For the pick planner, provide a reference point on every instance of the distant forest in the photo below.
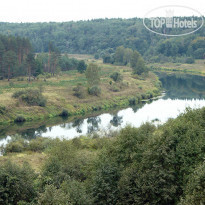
(101, 37)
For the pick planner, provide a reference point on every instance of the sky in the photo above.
(74, 10)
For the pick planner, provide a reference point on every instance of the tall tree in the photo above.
(93, 74)
(137, 63)
(2, 50)
(9, 62)
(30, 62)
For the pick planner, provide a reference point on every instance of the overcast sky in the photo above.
(68, 10)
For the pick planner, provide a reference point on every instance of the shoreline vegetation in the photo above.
(58, 91)
(197, 68)
(117, 165)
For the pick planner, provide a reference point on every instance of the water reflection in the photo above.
(182, 86)
(181, 91)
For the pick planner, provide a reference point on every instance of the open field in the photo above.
(197, 68)
(59, 92)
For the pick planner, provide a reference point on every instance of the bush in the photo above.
(95, 90)
(115, 88)
(79, 91)
(20, 119)
(16, 146)
(64, 113)
(116, 77)
(52, 195)
(31, 97)
(132, 101)
(189, 60)
(96, 56)
(2, 109)
(36, 145)
(16, 184)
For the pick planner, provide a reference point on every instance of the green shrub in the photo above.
(36, 145)
(132, 101)
(116, 77)
(95, 90)
(189, 60)
(64, 113)
(2, 109)
(17, 146)
(20, 119)
(31, 97)
(79, 91)
(16, 184)
(115, 88)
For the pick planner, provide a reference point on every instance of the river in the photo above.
(181, 91)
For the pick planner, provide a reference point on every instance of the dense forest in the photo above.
(146, 165)
(103, 36)
(17, 58)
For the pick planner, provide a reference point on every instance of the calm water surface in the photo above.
(181, 91)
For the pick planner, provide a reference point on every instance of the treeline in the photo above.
(17, 58)
(146, 165)
(128, 57)
(102, 36)
(15, 53)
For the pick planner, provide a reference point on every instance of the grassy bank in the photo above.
(58, 90)
(197, 68)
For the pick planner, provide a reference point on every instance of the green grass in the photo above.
(59, 93)
(197, 68)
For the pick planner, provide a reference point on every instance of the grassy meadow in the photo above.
(197, 68)
(58, 90)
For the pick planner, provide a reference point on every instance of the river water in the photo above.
(181, 91)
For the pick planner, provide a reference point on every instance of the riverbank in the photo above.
(197, 68)
(170, 155)
(58, 91)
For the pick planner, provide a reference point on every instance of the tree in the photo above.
(137, 63)
(30, 62)
(9, 62)
(81, 66)
(16, 184)
(119, 54)
(54, 61)
(127, 56)
(2, 50)
(93, 74)
(53, 196)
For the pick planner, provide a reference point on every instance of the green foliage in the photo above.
(93, 74)
(16, 184)
(77, 192)
(117, 77)
(64, 113)
(31, 97)
(53, 196)
(145, 165)
(137, 63)
(104, 188)
(81, 66)
(20, 119)
(189, 60)
(67, 64)
(2, 109)
(94, 90)
(195, 188)
(132, 101)
(65, 162)
(79, 91)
